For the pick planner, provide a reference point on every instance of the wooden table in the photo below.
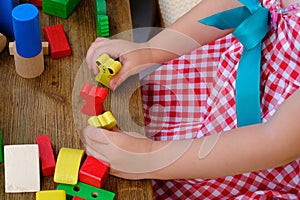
(43, 105)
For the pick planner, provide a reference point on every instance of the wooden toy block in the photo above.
(37, 3)
(28, 53)
(94, 172)
(105, 120)
(77, 198)
(45, 47)
(94, 98)
(59, 8)
(86, 191)
(67, 165)
(59, 45)
(21, 168)
(1, 147)
(46, 155)
(102, 25)
(6, 7)
(51, 195)
(108, 68)
(100, 7)
(3, 42)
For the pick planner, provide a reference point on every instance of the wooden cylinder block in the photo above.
(29, 67)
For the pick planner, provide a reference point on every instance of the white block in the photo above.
(22, 169)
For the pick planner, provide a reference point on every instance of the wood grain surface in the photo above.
(48, 104)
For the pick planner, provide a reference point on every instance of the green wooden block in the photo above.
(100, 7)
(59, 8)
(102, 25)
(1, 147)
(85, 191)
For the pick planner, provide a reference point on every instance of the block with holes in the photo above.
(105, 120)
(94, 172)
(86, 191)
(51, 195)
(21, 168)
(108, 67)
(94, 98)
(46, 155)
(67, 165)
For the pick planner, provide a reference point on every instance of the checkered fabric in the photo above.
(194, 96)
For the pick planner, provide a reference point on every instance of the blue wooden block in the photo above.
(26, 25)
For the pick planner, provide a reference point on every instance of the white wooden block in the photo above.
(22, 168)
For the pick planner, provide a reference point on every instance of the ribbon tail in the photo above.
(248, 87)
(227, 19)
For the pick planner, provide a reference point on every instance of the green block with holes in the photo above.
(85, 191)
(59, 8)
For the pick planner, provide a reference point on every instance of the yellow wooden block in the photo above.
(105, 120)
(108, 67)
(67, 165)
(51, 195)
(94, 122)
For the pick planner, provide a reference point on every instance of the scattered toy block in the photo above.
(37, 3)
(94, 98)
(105, 120)
(67, 165)
(108, 68)
(51, 195)
(85, 191)
(1, 147)
(94, 172)
(100, 7)
(46, 155)
(59, 8)
(6, 7)
(59, 45)
(28, 55)
(102, 26)
(77, 198)
(21, 168)
(45, 47)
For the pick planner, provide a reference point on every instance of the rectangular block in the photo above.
(58, 42)
(94, 172)
(21, 168)
(85, 191)
(67, 166)
(77, 198)
(46, 155)
(51, 195)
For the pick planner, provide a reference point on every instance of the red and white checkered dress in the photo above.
(194, 96)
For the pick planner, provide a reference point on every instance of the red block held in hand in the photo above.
(94, 98)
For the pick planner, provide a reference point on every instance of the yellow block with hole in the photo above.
(108, 67)
(67, 165)
(51, 195)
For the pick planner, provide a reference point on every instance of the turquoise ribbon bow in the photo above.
(251, 25)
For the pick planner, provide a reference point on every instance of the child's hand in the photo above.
(133, 57)
(117, 148)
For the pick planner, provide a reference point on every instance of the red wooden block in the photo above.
(46, 154)
(94, 98)
(58, 42)
(94, 172)
(37, 3)
(77, 198)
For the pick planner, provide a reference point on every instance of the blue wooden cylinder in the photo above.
(26, 25)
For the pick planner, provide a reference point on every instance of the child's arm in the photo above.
(246, 149)
(183, 36)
